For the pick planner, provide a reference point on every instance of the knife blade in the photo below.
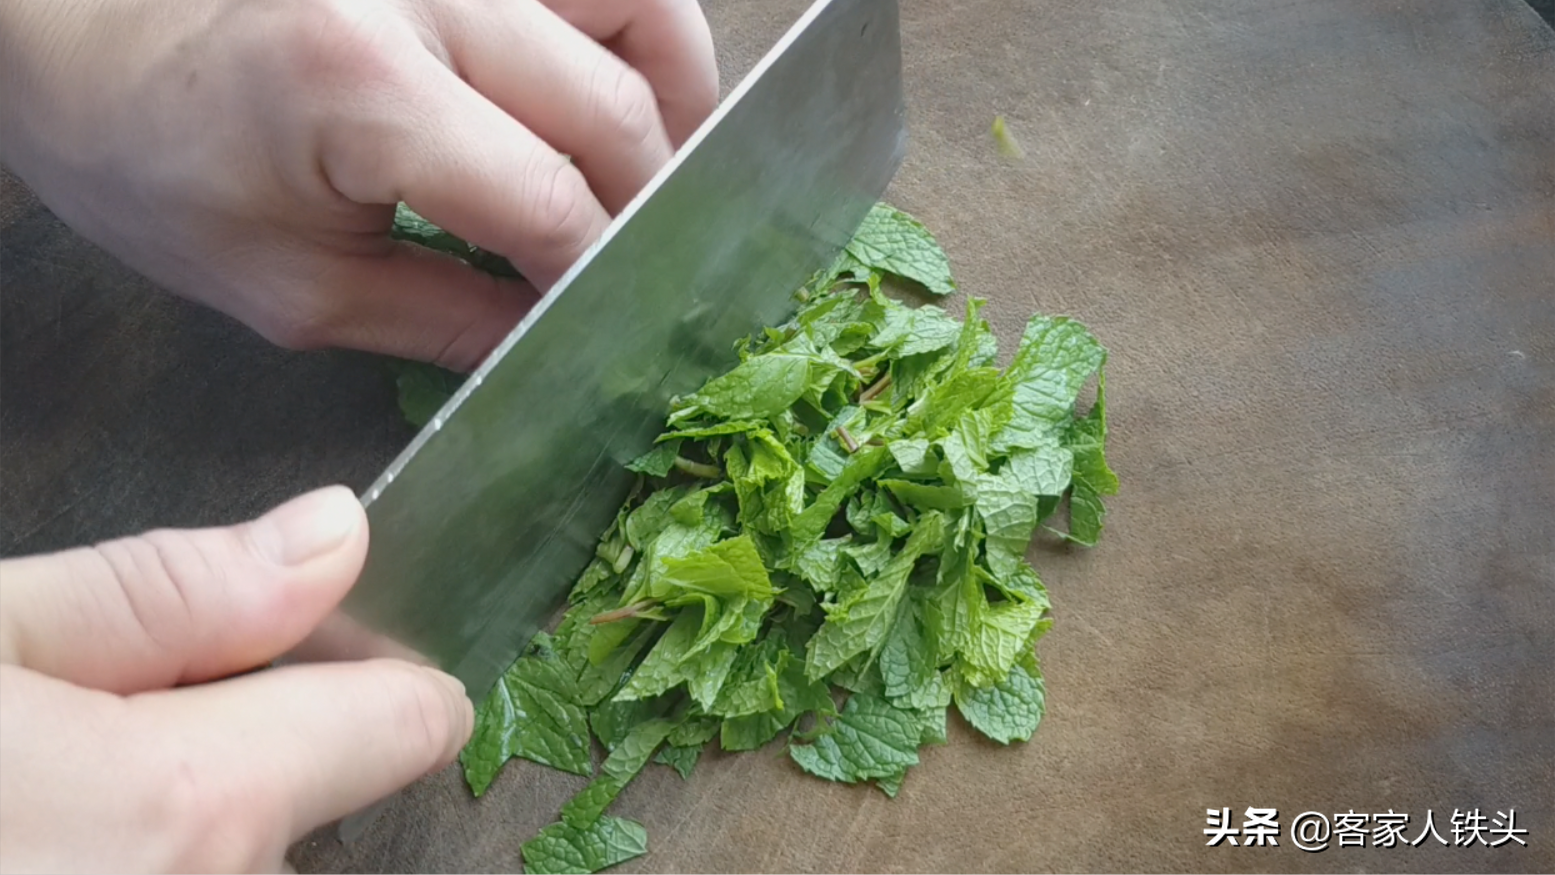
(481, 525)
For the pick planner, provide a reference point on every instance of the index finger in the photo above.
(298, 747)
(667, 41)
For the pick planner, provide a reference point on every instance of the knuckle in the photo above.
(628, 105)
(157, 573)
(342, 41)
(559, 214)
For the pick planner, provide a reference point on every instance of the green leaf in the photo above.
(683, 655)
(649, 519)
(695, 731)
(753, 731)
(866, 463)
(908, 331)
(817, 562)
(914, 457)
(932, 721)
(727, 569)
(926, 496)
(1007, 502)
(1092, 477)
(760, 387)
(606, 842)
(410, 226)
(612, 721)
(618, 770)
(739, 426)
(799, 695)
(658, 461)
(890, 785)
(532, 712)
(1055, 359)
(662, 669)
(859, 624)
(1009, 710)
(890, 240)
(681, 759)
(752, 685)
(907, 661)
(424, 389)
(870, 739)
(869, 556)
(943, 406)
(999, 634)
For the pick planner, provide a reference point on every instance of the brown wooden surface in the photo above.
(1319, 239)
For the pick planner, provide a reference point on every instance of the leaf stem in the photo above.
(874, 391)
(697, 469)
(847, 438)
(625, 613)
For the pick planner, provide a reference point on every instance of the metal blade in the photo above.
(481, 526)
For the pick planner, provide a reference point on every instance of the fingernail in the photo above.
(310, 526)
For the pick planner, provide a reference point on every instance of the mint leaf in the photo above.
(889, 240)
(1009, 710)
(908, 331)
(411, 227)
(817, 562)
(531, 712)
(658, 461)
(809, 525)
(618, 770)
(681, 759)
(799, 696)
(914, 457)
(859, 624)
(752, 686)
(1092, 477)
(870, 739)
(613, 721)
(424, 389)
(907, 661)
(1055, 359)
(890, 785)
(758, 388)
(606, 842)
(1008, 502)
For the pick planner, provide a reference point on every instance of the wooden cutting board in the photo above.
(1319, 239)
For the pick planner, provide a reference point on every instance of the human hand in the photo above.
(249, 153)
(130, 741)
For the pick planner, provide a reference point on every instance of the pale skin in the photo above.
(247, 154)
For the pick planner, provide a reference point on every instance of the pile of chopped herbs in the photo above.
(827, 541)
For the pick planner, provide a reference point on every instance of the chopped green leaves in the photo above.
(532, 712)
(846, 512)
(870, 739)
(1009, 710)
(893, 242)
(560, 848)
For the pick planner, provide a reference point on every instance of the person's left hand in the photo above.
(132, 743)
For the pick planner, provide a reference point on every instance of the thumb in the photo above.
(182, 606)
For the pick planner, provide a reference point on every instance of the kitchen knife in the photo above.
(479, 528)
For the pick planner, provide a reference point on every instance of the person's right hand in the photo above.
(249, 153)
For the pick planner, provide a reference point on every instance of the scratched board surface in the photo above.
(1319, 239)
